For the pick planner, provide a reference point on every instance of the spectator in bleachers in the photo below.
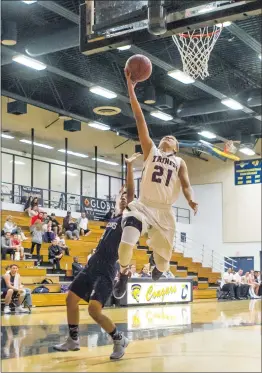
(56, 227)
(39, 216)
(27, 206)
(16, 244)
(12, 285)
(61, 242)
(31, 206)
(49, 235)
(253, 284)
(55, 254)
(72, 233)
(28, 296)
(21, 235)
(37, 238)
(244, 288)
(46, 220)
(134, 273)
(228, 285)
(76, 266)
(66, 221)
(83, 225)
(145, 272)
(92, 253)
(6, 246)
(9, 225)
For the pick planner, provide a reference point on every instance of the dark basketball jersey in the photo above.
(107, 249)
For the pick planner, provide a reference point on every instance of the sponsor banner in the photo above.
(96, 208)
(248, 172)
(159, 292)
(26, 192)
(158, 317)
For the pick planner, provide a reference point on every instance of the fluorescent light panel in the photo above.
(37, 144)
(247, 151)
(161, 115)
(259, 56)
(6, 136)
(73, 153)
(103, 92)
(29, 62)
(224, 24)
(30, 2)
(99, 126)
(232, 104)
(181, 76)
(124, 47)
(207, 134)
(105, 161)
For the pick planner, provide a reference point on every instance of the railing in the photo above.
(203, 254)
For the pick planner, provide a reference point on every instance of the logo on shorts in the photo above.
(135, 291)
(184, 291)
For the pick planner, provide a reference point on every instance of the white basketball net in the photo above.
(195, 48)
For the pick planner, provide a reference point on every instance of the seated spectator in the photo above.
(11, 286)
(145, 272)
(16, 244)
(6, 246)
(28, 204)
(9, 225)
(66, 221)
(83, 225)
(28, 296)
(76, 267)
(39, 216)
(134, 273)
(61, 242)
(55, 254)
(109, 215)
(168, 274)
(228, 285)
(37, 238)
(31, 206)
(49, 235)
(21, 235)
(244, 288)
(46, 220)
(254, 286)
(72, 232)
(92, 253)
(56, 226)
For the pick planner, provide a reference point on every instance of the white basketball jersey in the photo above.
(160, 182)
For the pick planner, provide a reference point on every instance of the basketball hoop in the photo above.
(195, 48)
(229, 147)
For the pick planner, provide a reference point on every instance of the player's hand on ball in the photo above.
(194, 206)
(133, 157)
(129, 81)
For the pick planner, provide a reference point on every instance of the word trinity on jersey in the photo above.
(164, 160)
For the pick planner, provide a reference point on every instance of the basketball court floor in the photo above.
(205, 336)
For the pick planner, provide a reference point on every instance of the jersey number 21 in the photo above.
(158, 175)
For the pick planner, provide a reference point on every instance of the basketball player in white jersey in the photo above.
(163, 175)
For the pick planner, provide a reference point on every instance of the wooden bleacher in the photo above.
(33, 275)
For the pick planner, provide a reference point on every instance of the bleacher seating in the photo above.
(33, 275)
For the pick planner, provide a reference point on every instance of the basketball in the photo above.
(140, 67)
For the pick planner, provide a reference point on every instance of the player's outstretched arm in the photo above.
(186, 187)
(130, 183)
(142, 128)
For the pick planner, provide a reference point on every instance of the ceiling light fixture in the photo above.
(30, 2)
(259, 56)
(105, 161)
(73, 153)
(103, 92)
(69, 173)
(18, 162)
(224, 24)
(181, 76)
(29, 62)
(99, 126)
(207, 8)
(5, 136)
(232, 104)
(207, 134)
(124, 47)
(161, 115)
(247, 151)
(37, 144)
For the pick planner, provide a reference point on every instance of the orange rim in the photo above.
(200, 35)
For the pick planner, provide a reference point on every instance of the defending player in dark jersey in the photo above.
(95, 282)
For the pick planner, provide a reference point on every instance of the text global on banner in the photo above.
(96, 208)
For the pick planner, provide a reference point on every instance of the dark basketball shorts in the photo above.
(92, 285)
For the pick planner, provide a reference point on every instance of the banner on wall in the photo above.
(159, 292)
(248, 172)
(26, 192)
(96, 208)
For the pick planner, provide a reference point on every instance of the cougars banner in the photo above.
(26, 192)
(95, 208)
(159, 292)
